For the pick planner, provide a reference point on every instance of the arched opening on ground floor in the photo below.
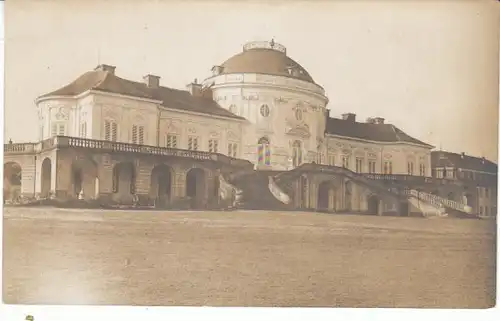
(216, 188)
(373, 204)
(304, 189)
(348, 196)
(124, 178)
(46, 178)
(469, 200)
(325, 196)
(84, 179)
(162, 185)
(195, 187)
(451, 196)
(404, 208)
(12, 181)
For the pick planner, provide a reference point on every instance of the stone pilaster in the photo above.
(179, 184)
(28, 178)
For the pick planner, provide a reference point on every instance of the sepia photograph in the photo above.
(337, 154)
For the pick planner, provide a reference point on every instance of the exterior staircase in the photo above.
(259, 192)
(440, 204)
(284, 179)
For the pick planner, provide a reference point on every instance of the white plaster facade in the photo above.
(284, 118)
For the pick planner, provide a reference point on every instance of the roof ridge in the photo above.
(398, 138)
(106, 74)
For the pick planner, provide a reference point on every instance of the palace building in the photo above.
(258, 125)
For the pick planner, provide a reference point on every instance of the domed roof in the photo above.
(266, 57)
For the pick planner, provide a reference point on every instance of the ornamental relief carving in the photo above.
(299, 130)
(387, 156)
(232, 136)
(172, 128)
(250, 97)
(372, 155)
(62, 113)
(110, 113)
(281, 100)
(214, 134)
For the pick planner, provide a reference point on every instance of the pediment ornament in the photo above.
(62, 114)
(299, 130)
(232, 136)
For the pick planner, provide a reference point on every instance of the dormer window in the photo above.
(217, 70)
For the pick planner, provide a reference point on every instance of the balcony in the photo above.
(61, 142)
(410, 179)
(19, 148)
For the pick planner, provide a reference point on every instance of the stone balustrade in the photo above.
(109, 146)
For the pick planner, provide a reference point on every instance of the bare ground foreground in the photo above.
(56, 256)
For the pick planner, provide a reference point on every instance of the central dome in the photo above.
(265, 57)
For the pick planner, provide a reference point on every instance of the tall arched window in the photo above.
(264, 151)
(297, 153)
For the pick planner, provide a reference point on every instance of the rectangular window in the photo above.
(83, 130)
(232, 149)
(486, 192)
(171, 141)
(387, 167)
(372, 167)
(141, 135)
(359, 165)
(486, 211)
(213, 145)
(319, 158)
(114, 131)
(58, 129)
(110, 130)
(61, 130)
(193, 143)
(480, 210)
(410, 168)
(345, 161)
(331, 160)
(138, 135)
(134, 134)
(107, 130)
(422, 169)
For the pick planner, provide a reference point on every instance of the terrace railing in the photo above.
(109, 146)
(439, 201)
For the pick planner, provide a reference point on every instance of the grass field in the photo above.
(55, 256)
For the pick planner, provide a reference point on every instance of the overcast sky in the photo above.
(430, 68)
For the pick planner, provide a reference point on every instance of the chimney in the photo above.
(152, 81)
(194, 88)
(379, 120)
(108, 68)
(370, 120)
(349, 117)
(483, 159)
(463, 155)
